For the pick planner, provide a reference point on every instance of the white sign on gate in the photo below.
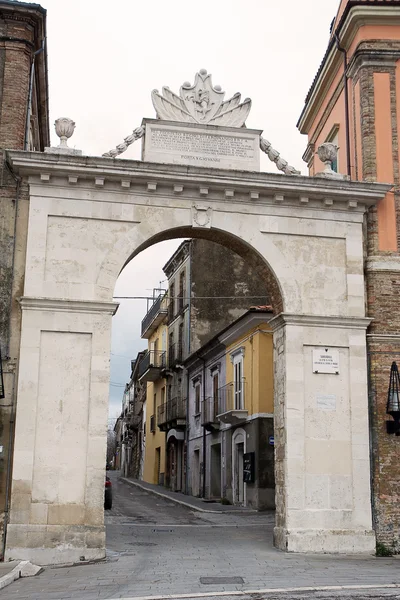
(326, 360)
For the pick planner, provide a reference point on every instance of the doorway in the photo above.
(158, 465)
(196, 474)
(215, 472)
(238, 450)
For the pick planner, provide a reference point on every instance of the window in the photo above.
(238, 379)
(180, 342)
(163, 395)
(197, 398)
(155, 354)
(171, 306)
(181, 298)
(154, 404)
(171, 349)
(215, 393)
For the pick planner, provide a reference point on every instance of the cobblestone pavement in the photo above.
(158, 548)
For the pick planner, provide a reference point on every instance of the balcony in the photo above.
(154, 317)
(175, 355)
(231, 403)
(172, 414)
(151, 365)
(134, 421)
(209, 411)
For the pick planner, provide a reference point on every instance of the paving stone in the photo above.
(201, 545)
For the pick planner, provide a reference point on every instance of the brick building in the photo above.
(24, 124)
(354, 102)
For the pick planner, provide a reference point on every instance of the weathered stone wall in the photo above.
(223, 287)
(384, 348)
(382, 286)
(21, 33)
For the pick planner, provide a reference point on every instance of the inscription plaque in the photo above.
(326, 401)
(201, 145)
(326, 361)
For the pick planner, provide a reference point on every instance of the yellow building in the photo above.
(231, 414)
(249, 366)
(151, 370)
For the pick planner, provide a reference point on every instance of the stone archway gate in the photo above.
(87, 217)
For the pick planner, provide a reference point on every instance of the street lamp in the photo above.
(393, 401)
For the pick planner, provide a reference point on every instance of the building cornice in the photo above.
(69, 306)
(129, 176)
(335, 322)
(383, 263)
(383, 337)
(357, 17)
(242, 326)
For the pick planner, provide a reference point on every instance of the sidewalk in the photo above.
(198, 504)
(15, 569)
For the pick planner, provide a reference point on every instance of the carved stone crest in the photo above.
(201, 216)
(201, 103)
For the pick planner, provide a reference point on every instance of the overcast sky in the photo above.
(106, 57)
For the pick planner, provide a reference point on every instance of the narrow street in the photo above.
(158, 548)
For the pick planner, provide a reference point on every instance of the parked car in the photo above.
(107, 494)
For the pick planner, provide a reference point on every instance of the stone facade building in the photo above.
(209, 286)
(24, 125)
(230, 443)
(354, 102)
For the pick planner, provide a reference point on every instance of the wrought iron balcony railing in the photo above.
(175, 354)
(210, 408)
(154, 316)
(151, 364)
(171, 411)
(232, 396)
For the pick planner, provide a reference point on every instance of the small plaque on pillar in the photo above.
(326, 361)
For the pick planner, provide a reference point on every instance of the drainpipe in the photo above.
(9, 465)
(187, 431)
(204, 429)
(17, 180)
(346, 103)
(29, 106)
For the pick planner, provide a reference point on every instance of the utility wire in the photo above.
(187, 297)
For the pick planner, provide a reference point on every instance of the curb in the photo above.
(274, 591)
(23, 569)
(182, 502)
(166, 497)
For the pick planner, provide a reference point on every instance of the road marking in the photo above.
(325, 588)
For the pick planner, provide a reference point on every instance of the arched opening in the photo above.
(185, 427)
(310, 264)
(234, 244)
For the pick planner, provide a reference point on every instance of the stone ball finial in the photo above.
(64, 129)
(203, 71)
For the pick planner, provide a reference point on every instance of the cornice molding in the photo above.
(358, 17)
(242, 327)
(70, 306)
(383, 263)
(335, 322)
(383, 337)
(272, 188)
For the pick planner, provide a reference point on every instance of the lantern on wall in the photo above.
(393, 401)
